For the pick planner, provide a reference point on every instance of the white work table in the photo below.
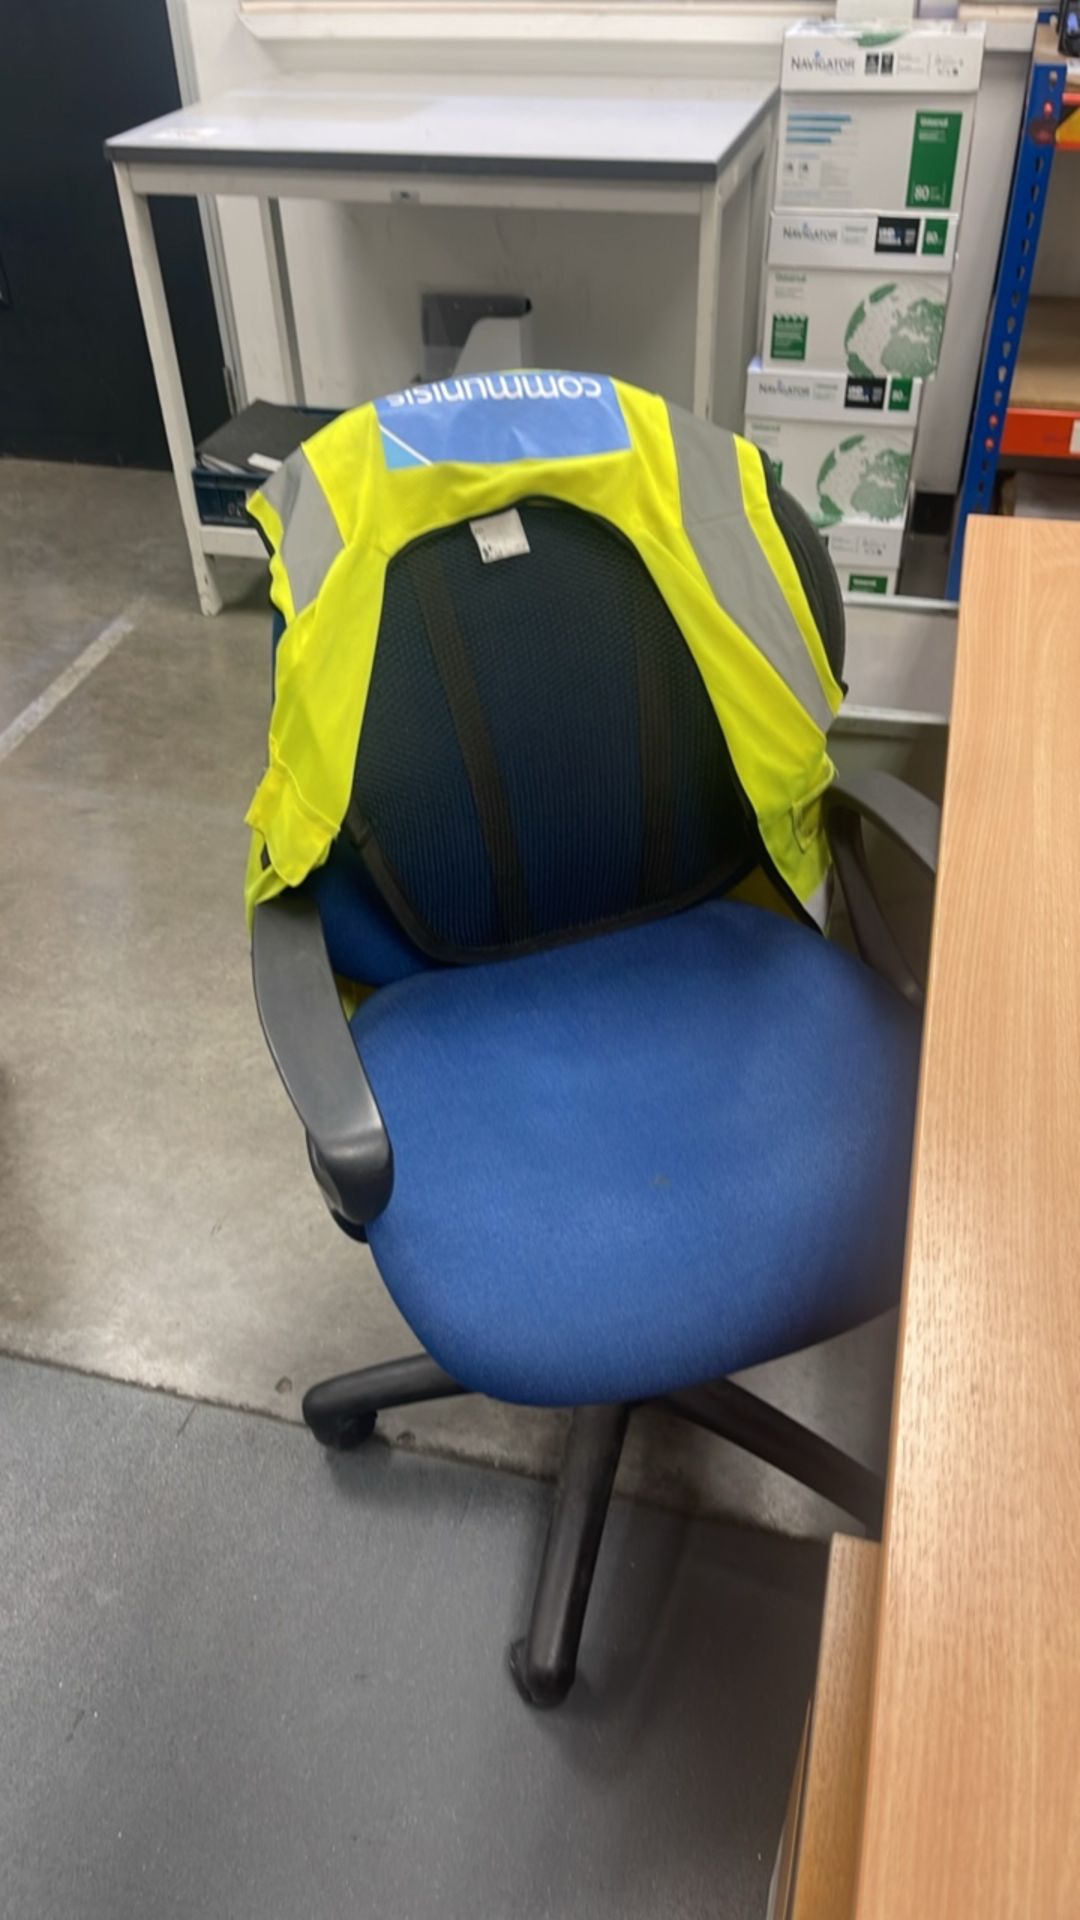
(644, 154)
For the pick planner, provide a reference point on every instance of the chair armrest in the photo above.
(909, 819)
(313, 1051)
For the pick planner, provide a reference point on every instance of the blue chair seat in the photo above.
(644, 1160)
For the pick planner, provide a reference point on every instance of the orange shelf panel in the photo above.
(1067, 135)
(1043, 420)
(1044, 433)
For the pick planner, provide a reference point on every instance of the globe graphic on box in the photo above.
(863, 479)
(890, 333)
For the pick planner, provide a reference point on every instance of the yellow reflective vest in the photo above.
(690, 497)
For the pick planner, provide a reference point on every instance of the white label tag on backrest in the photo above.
(500, 536)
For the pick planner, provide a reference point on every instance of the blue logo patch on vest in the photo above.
(488, 419)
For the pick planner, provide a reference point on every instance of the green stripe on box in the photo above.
(935, 145)
(789, 336)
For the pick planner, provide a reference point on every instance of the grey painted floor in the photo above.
(160, 1224)
(240, 1679)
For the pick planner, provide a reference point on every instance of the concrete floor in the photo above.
(160, 1222)
(242, 1680)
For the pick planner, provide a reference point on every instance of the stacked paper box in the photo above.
(866, 557)
(875, 130)
(877, 116)
(842, 444)
(865, 292)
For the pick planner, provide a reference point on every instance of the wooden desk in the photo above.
(972, 1801)
(816, 1864)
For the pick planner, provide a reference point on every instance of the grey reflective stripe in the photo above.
(311, 541)
(732, 561)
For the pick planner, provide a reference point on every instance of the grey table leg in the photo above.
(135, 209)
(281, 299)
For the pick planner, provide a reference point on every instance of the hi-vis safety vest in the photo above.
(690, 497)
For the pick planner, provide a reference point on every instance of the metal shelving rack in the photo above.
(1051, 121)
(1049, 114)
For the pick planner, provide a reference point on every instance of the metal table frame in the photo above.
(270, 179)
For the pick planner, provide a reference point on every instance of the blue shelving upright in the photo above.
(1023, 223)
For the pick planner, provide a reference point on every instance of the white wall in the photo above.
(615, 292)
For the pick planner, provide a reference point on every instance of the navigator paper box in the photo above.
(866, 556)
(877, 117)
(901, 241)
(841, 445)
(842, 315)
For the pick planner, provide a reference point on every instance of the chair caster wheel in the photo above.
(343, 1435)
(538, 1689)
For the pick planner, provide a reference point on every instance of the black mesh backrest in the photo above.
(539, 757)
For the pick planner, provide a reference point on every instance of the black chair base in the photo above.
(545, 1662)
(342, 1413)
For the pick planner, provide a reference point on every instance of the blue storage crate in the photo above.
(222, 497)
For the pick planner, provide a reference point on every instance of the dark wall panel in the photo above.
(75, 376)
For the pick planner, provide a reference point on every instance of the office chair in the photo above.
(664, 1137)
